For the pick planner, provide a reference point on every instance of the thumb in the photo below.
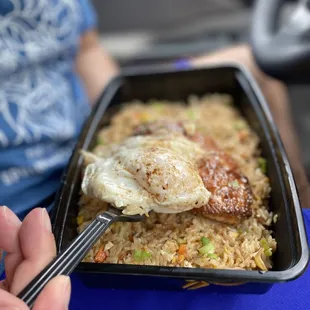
(9, 301)
(55, 296)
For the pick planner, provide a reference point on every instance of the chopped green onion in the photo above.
(264, 244)
(262, 163)
(137, 255)
(191, 114)
(268, 252)
(240, 230)
(204, 240)
(234, 234)
(141, 255)
(212, 255)
(182, 241)
(158, 106)
(234, 184)
(207, 249)
(239, 125)
(100, 140)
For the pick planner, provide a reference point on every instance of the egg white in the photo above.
(147, 173)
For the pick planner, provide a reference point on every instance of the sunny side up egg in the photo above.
(146, 173)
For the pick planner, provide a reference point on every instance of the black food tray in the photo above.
(291, 257)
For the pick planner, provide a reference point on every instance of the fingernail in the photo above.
(10, 219)
(66, 291)
(4, 212)
(46, 220)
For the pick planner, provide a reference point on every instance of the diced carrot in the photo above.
(182, 249)
(101, 256)
(243, 135)
(244, 155)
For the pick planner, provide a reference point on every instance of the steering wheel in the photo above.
(282, 51)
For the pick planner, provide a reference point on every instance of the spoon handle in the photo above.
(65, 262)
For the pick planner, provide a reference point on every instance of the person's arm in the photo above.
(276, 95)
(94, 65)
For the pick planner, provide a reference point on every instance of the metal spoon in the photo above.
(65, 262)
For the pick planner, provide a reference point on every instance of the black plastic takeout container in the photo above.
(291, 257)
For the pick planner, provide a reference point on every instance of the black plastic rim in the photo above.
(215, 275)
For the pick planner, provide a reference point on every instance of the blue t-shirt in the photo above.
(42, 101)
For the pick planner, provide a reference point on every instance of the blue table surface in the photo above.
(293, 295)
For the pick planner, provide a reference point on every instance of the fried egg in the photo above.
(146, 173)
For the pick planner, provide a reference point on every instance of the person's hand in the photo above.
(30, 246)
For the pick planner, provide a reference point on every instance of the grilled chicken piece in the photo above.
(231, 194)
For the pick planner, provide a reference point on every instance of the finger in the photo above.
(56, 295)
(9, 241)
(9, 228)
(3, 285)
(38, 247)
(10, 302)
(12, 261)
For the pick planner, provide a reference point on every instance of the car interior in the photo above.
(143, 32)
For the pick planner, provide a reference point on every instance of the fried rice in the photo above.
(176, 239)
